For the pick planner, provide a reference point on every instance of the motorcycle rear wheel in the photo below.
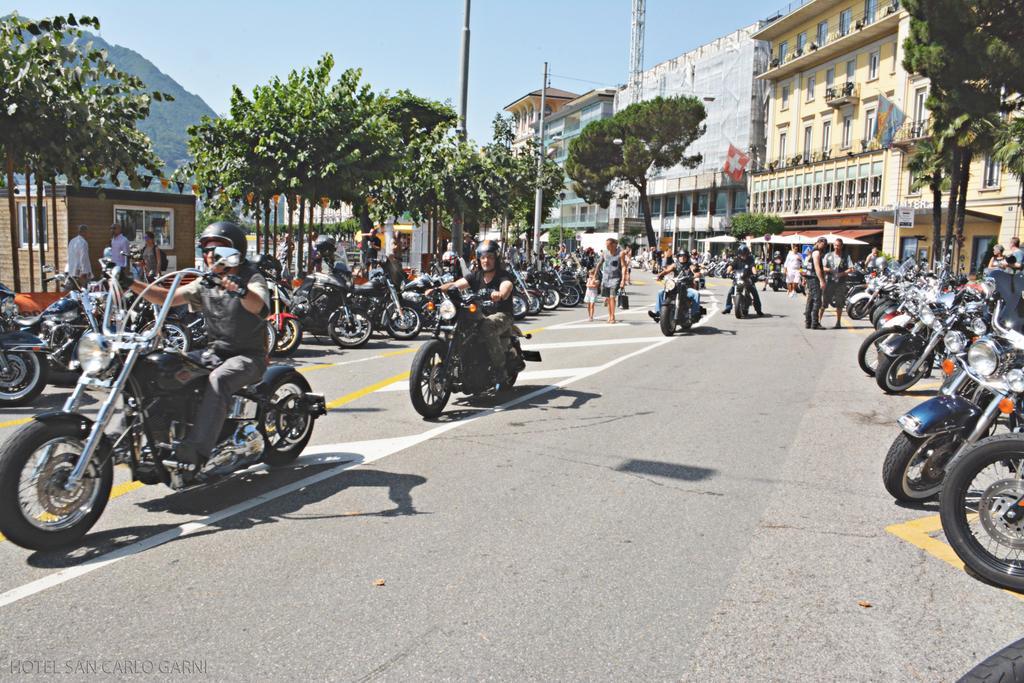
(286, 426)
(973, 507)
(427, 392)
(62, 517)
(571, 296)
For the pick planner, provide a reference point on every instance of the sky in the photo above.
(405, 44)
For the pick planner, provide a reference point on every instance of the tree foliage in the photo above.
(756, 225)
(631, 145)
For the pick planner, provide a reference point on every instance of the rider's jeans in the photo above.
(492, 328)
(224, 381)
(694, 301)
(753, 291)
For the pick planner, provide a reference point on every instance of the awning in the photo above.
(403, 227)
(853, 233)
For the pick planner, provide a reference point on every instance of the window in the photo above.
(817, 197)
(685, 204)
(702, 203)
(721, 202)
(808, 141)
(822, 33)
(138, 221)
(828, 196)
(826, 137)
(876, 190)
(870, 11)
(801, 43)
(851, 192)
(811, 83)
(870, 119)
(655, 206)
(862, 193)
(847, 131)
(783, 50)
(920, 109)
(873, 59)
(845, 18)
(839, 195)
(796, 200)
(851, 70)
(895, 56)
(670, 205)
(991, 178)
(830, 77)
(28, 218)
(739, 201)
(785, 97)
(782, 147)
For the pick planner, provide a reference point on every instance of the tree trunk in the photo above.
(31, 229)
(266, 227)
(256, 217)
(12, 207)
(961, 207)
(275, 225)
(300, 243)
(56, 232)
(936, 220)
(40, 226)
(652, 239)
(291, 234)
(954, 189)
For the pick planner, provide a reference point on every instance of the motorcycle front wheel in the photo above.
(978, 510)
(867, 355)
(893, 374)
(857, 310)
(24, 379)
(176, 336)
(349, 332)
(404, 327)
(570, 296)
(737, 306)
(667, 320)
(911, 472)
(533, 305)
(551, 300)
(428, 389)
(36, 512)
(288, 338)
(519, 307)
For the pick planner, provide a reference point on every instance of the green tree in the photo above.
(756, 225)
(641, 139)
(929, 167)
(1009, 150)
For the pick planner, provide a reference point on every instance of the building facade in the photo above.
(843, 119)
(560, 129)
(525, 112)
(692, 203)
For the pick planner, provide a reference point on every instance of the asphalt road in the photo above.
(706, 507)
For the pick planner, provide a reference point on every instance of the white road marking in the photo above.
(594, 342)
(527, 375)
(353, 454)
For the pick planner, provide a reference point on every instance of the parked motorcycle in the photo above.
(455, 360)
(287, 326)
(379, 301)
(56, 472)
(321, 303)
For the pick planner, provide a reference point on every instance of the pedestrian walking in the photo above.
(79, 265)
(590, 298)
(119, 246)
(814, 273)
(611, 267)
(794, 263)
(153, 260)
(837, 264)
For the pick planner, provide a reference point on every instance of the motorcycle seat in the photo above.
(27, 321)
(368, 287)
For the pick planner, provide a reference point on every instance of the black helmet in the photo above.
(742, 250)
(326, 244)
(225, 230)
(487, 247)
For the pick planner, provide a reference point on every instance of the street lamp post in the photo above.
(538, 201)
(461, 130)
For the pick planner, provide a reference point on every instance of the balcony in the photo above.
(912, 132)
(841, 95)
(820, 155)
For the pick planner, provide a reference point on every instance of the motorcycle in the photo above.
(8, 309)
(677, 310)
(524, 299)
(743, 298)
(378, 301)
(56, 472)
(287, 326)
(454, 360)
(321, 304)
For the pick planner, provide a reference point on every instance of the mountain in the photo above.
(168, 121)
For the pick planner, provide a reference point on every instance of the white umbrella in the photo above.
(831, 237)
(720, 239)
(792, 239)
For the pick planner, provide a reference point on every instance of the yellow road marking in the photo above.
(921, 532)
(359, 393)
(400, 352)
(324, 366)
(15, 423)
(321, 366)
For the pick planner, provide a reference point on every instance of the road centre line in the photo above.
(374, 450)
(528, 375)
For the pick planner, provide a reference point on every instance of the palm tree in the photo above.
(929, 167)
(1009, 150)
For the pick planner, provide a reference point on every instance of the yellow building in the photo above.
(525, 112)
(835, 161)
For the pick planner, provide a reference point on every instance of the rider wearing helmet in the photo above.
(492, 280)
(235, 326)
(743, 259)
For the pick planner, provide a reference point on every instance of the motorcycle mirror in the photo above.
(229, 257)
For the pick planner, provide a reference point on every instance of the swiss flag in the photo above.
(735, 163)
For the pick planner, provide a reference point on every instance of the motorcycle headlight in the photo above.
(927, 315)
(955, 341)
(1015, 379)
(94, 353)
(983, 357)
(979, 327)
(8, 308)
(670, 283)
(447, 310)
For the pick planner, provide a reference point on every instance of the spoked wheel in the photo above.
(428, 388)
(175, 336)
(288, 338)
(271, 332)
(857, 310)
(25, 377)
(571, 296)
(980, 513)
(349, 331)
(893, 375)
(286, 425)
(867, 355)
(533, 305)
(913, 469)
(519, 307)
(405, 326)
(36, 510)
(551, 299)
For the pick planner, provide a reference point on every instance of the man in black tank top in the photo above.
(814, 274)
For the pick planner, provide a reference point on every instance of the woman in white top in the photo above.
(794, 262)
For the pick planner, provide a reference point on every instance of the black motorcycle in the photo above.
(321, 302)
(677, 311)
(379, 301)
(24, 369)
(56, 472)
(455, 360)
(743, 296)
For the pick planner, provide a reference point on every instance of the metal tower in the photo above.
(636, 52)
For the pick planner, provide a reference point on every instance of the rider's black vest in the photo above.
(233, 330)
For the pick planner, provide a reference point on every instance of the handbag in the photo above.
(623, 300)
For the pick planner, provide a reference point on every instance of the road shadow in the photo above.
(922, 506)
(201, 502)
(705, 331)
(544, 401)
(668, 470)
